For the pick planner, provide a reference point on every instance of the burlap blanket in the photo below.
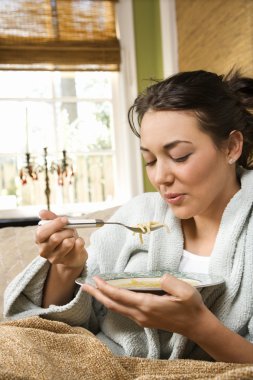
(35, 348)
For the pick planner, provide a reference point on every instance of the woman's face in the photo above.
(182, 162)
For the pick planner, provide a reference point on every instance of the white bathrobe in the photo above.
(115, 249)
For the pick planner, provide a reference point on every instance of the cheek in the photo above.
(195, 173)
(205, 172)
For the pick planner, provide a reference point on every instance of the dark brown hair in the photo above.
(221, 103)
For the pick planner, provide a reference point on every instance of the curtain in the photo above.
(58, 35)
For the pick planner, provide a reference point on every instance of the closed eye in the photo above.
(150, 163)
(181, 159)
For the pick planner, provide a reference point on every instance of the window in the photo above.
(68, 113)
(53, 109)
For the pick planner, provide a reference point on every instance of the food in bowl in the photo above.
(144, 283)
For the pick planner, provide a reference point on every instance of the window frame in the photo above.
(128, 167)
(128, 145)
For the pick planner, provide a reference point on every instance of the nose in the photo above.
(163, 173)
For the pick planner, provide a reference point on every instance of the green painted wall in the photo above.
(149, 65)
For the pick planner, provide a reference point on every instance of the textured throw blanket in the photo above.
(35, 348)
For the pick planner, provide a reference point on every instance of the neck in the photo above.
(201, 230)
(211, 218)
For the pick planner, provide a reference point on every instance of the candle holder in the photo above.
(28, 170)
(64, 170)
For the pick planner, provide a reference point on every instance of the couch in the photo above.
(18, 248)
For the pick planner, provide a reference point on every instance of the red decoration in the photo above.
(64, 170)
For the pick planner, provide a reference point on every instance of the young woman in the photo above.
(196, 137)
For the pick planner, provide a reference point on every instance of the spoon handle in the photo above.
(78, 223)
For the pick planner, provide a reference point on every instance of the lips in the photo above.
(174, 198)
(172, 195)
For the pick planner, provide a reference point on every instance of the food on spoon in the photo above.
(147, 228)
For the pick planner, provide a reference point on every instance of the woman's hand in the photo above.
(179, 310)
(64, 249)
(60, 245)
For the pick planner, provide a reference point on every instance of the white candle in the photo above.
(64, 136)
(26, 130)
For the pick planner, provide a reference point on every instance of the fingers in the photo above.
(79, 243)
(117, 300)
(56, 254)
(173, 311)
(177, 288)
(120, 296)
(61, 242)
(60, 245)
(142, 308)
(44, 232)
(70, 252)
(46, 214)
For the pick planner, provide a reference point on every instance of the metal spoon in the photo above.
(91, 223)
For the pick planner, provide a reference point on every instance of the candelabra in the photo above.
(28, 170)
(63, 168)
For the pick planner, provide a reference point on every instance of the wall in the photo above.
(148, 48)
(215, 35)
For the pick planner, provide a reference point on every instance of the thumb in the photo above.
(176, 287)
(45, 214)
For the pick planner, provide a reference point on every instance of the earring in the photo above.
(231, 161)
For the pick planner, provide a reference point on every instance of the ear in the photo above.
(234, 147)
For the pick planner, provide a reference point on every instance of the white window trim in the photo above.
(127, 149)
(169, 37)
(128, 145)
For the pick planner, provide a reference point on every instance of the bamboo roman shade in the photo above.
(58, 35)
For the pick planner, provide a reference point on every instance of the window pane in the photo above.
(24, 84)
(93, 85)
(40, 131)
(12, 124)
(84, 126)
(63, 128)
(31, 123)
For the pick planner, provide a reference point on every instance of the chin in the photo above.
(183, 217)
(183, 214)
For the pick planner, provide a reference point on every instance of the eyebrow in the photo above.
(169, 145)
